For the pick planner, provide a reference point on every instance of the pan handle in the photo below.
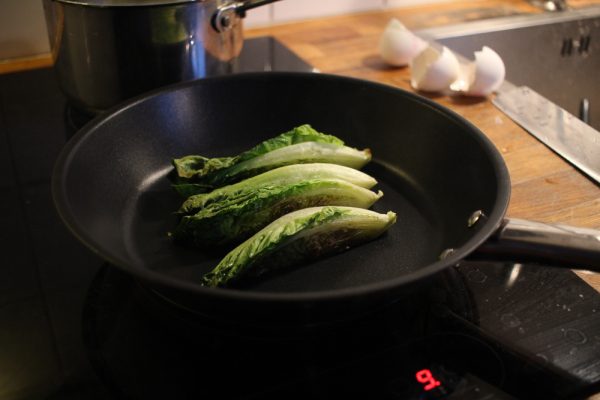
(557, 245)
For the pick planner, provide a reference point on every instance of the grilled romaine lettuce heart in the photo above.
(299, 236)
(198, 174)
(242, 213)
(288, 175)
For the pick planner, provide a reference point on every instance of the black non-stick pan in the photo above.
(440, 174)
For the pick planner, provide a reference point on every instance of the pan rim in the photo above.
(492, 223)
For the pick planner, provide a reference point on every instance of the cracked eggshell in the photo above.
(433, 70)
(485, 74)
(398, 46)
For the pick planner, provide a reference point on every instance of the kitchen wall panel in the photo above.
(260, 16)
(290, 10)
(22, 28)
(297, 10)
(407, 3)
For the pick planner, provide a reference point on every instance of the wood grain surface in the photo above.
(24, 64)
(544, 187)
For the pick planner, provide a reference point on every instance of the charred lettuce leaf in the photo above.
(197, 174)
(242, 213)
(299, 236)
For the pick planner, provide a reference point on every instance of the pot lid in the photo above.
(127, 3)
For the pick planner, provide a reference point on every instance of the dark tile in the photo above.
(33, 109)
(7, 174)
(63, 262)
(17, 268)
(65, 309)
(86, 390)
(28, 360)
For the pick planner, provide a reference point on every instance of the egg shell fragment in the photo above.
(398, 46)
(433, 70)
(487, 73)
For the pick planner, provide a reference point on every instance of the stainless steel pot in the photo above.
(106, 51)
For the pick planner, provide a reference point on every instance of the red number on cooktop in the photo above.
(425, 377)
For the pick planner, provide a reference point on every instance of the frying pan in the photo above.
(444, 179)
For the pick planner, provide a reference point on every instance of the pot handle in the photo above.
(556, 245)
(223, 18)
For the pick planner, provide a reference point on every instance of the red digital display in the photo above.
(425, 377)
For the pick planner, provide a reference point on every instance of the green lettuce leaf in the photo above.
(244, 212)
(300, 145)
(186, 190)
(194, 166)
(287, 175)
(300, 134)
(299, 236)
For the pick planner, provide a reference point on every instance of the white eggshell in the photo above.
(433, 70)
(398, 46)
(487, 73)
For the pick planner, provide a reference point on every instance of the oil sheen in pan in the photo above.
(387, 257)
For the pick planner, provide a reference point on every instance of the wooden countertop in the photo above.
(544, 187)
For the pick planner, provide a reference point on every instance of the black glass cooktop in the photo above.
(73, 327)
